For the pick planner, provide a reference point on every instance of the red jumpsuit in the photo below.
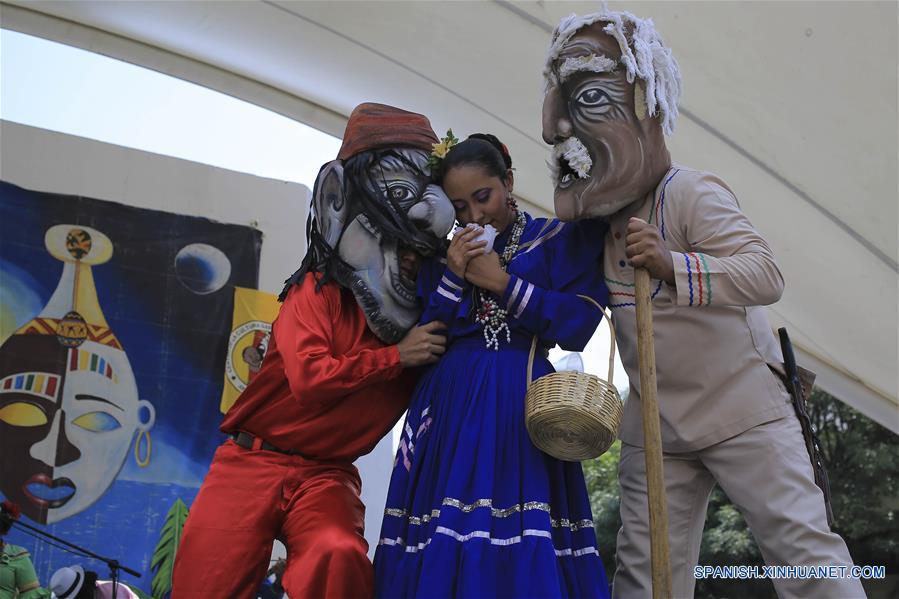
(328, 390)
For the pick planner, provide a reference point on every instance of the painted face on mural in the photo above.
(69, 407)
(380, 268)
(607, 152)
(68, 416)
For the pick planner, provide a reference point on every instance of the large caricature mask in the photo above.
(69, 406)
(375, 214)
(612, 91)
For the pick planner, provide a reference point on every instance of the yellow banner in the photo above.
(251, 328)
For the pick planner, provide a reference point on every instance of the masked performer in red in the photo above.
(332, 381)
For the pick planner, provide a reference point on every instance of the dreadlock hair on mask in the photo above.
(320, 256)
(367, 188)
(368, 198)
(480, 149)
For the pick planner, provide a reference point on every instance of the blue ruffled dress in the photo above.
(473, 508)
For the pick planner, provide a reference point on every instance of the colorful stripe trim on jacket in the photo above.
(626, 294)
(689, 276)
(708, 280)
(698, 268)
(659, 208)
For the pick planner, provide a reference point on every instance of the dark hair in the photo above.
(480, 149)
(9, 512)
(89, 586)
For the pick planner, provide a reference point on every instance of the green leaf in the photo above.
(162, 562)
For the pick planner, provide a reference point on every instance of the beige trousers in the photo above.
(766, 473)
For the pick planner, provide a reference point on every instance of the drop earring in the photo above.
(145, 461)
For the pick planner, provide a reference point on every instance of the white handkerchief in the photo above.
(486, 233)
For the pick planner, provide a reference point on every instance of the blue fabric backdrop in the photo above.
(167, 295)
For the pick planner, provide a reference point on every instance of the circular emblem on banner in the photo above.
(78, 243)
(246, 348)
(71, 330)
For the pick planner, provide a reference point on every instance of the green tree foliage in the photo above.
(163, 562)
(861, 458)
(602, 486)
(726, 541)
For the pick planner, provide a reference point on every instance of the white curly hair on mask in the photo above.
(644, 56)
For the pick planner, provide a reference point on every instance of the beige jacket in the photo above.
(713, 343)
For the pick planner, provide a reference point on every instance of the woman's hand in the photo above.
(462, 249)
(484, 271)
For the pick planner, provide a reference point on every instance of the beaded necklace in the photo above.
(489, 313)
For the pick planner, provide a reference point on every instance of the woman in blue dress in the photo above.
(473, 508)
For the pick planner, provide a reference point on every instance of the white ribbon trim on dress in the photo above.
(494, 512)
(483, 534)
(541, 239)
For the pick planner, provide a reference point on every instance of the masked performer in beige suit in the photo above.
(726, 418)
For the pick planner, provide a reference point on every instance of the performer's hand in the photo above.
(422, 345)
(485, 272)
(462, 248)
(645, 248)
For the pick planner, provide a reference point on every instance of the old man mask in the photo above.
(611, 94)
(375, 214)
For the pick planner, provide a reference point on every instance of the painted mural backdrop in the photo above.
(114, 328)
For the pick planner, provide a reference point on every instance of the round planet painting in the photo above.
(202, 268)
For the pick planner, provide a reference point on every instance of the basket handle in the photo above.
(607, 317)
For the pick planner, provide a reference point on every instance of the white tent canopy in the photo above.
(793, 103)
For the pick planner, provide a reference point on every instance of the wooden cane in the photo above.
(652, 441)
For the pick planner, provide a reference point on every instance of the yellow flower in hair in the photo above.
(440, 150)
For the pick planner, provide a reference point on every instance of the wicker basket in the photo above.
(573, 416)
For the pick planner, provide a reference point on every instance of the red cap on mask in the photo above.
(374, 126)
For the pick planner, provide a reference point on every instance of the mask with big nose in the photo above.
(375, 214)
